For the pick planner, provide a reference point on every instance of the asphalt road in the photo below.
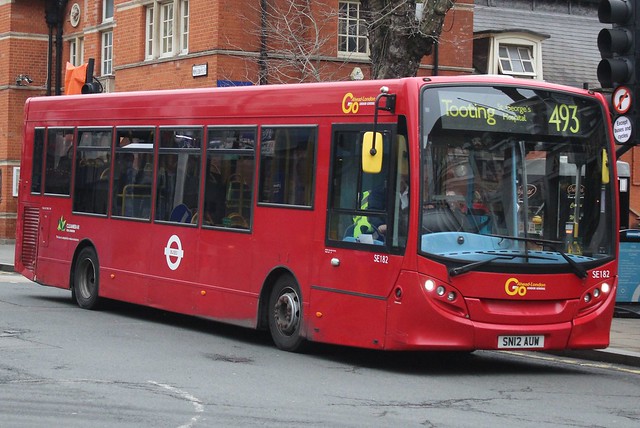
(127, 366)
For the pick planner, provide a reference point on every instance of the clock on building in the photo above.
(74, 15)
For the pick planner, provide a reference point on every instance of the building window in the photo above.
(184, 27)
(167, 28)
(150, 30)
(107, 10)
(166, 23)
(76, 51)
(352, 29)
(516, 60)
(514, 53)
(107, 53)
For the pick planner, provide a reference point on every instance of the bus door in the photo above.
(365, 238)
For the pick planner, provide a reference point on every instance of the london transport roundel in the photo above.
(621, 99)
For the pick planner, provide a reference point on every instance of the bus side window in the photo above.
(133, 173)
(59, 160)
(178, 182)
(38, 155)
(229, 177)
(91, 184)
(287, 162)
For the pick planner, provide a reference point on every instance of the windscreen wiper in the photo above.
(471, 266)
(578, 270)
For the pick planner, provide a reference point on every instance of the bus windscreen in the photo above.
(513, 176)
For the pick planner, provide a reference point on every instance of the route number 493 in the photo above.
(565, 117)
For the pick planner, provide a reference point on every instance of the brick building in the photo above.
(163, 44)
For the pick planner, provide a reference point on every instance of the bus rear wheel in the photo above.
(285, 314)
(86, 279)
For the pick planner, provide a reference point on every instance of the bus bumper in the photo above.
(415, 322)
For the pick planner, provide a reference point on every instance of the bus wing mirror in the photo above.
(605, 167)
(372, 152)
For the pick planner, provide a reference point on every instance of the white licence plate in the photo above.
(520, 342)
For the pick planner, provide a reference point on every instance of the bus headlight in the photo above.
(605, 287)
(429, 285)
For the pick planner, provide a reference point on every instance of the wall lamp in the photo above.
(23, 80)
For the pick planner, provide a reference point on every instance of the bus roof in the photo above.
(291, 100)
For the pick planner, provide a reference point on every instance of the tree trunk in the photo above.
(397, 39)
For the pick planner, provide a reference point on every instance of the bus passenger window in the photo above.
(58, 163)
(229, 177)
(287, 165)
(91, 185)
(178, 184)
(133, 173)
(38, 151)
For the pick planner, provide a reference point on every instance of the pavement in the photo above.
(625, 329)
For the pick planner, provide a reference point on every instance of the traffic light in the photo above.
(91, 84)
(618, 45)
(94, 87)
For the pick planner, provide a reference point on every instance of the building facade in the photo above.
(166, 44)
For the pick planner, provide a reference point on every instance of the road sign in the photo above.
(622, 128)
(621, 99)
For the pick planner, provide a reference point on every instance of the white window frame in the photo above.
(76, 51)
(518, 58)
(532, 43)
(350, 23)
(167, 33)
(107, 53)
(150, 31)
(166, 29)
(184, 27)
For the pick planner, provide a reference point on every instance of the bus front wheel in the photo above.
(285, 314)
(86, 279)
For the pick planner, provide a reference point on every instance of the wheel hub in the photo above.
(287, 312)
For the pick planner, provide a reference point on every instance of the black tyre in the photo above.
(285, 314)
(86, 280)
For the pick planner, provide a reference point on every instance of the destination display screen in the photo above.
(512, 110)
